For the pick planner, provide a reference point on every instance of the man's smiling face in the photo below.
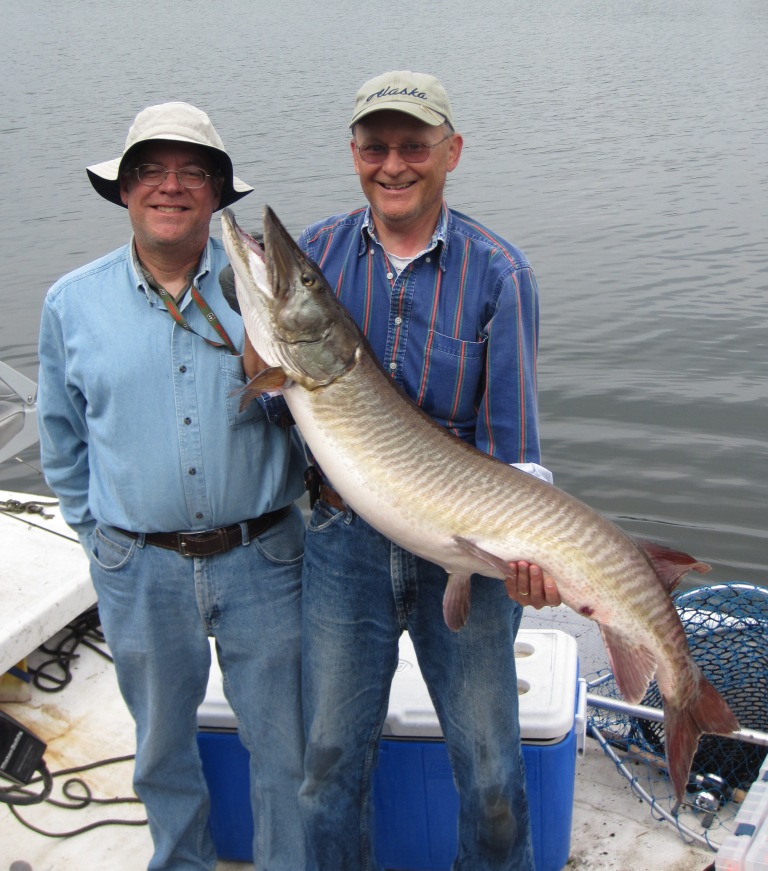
(404, 195)
(170, 214)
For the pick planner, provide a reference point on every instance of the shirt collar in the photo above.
(147, 284)
(368, 234)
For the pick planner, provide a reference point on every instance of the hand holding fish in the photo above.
(528, 585)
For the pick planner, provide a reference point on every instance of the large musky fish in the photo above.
(442, 499)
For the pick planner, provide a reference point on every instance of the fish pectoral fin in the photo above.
(485, 556)
(456, 601)
(670, 565)
(272, 378)
(633, 665)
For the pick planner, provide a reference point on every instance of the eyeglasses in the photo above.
(411, 152)
(152, 174)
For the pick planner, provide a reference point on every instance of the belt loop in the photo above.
(141, 540)
(245, 533)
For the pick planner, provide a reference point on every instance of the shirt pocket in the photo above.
(233, 381)
(455, 378)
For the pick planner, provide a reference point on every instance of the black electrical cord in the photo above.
(17, 795)
(77, 802)
(85, 629)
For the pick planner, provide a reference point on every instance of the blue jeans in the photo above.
(360, 592)
(157, 610)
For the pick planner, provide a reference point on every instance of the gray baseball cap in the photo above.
(416, 94)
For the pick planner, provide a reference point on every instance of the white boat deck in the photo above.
(42, 547)
(87, 722)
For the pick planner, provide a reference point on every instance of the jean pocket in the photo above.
(283, 543)
(111, 554)
(325, 516)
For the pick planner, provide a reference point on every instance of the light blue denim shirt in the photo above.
(139, 420)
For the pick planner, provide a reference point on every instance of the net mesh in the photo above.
(727, 630)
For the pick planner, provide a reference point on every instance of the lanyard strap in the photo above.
(207, 313)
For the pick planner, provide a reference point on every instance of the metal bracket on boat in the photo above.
(18, 412)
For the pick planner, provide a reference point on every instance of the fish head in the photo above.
(254, 293)
(290, 312)
(324, 340)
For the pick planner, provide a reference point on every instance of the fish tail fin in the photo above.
(705, 712)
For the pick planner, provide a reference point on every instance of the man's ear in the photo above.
(454, 151)
(123, 181)
(355, 156)
(218, 187)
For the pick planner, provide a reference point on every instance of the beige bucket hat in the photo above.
(176, 122)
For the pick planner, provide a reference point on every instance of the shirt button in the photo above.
(182, 368)
(428, 259)
(187, 420)
(398, 320)
(390, 275)
(199, 515)
(193, 471)
(393, 366)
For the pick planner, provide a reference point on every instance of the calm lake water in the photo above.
(621, 144)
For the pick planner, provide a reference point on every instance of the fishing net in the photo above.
(727, 630)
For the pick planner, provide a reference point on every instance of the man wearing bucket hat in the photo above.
(451, 311)
(183, 502)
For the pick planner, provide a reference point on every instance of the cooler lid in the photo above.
(547, 664)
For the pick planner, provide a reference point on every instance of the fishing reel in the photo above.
(709, 793)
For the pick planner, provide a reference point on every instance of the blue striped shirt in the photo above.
(457, 328)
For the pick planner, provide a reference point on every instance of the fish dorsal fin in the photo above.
(633, 666)
(670, 565)
(456, 601)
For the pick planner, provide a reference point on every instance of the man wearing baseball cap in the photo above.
(451, 312)
(183, 502)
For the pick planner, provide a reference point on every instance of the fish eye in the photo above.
(307, 279)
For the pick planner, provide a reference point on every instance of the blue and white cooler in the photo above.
(416, 804)
(415, 800)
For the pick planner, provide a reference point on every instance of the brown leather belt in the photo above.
(331, 497)
(214, 540)
(319, 489)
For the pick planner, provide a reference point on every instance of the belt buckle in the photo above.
(189, 539)
(185, 538)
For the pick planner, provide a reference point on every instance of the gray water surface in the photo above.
(622, 145)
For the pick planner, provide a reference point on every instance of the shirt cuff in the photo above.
(276, 407)
(536, 470)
